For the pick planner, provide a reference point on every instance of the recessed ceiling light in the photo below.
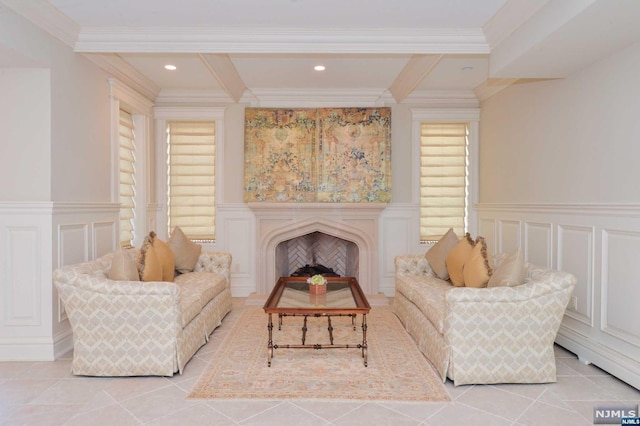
(170, 67)
(467, 68)
(319, 68)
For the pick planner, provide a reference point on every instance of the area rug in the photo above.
(396, 370)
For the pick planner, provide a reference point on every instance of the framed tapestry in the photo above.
(318, 155)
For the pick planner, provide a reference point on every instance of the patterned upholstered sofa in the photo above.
(136, 328)
(483, 335)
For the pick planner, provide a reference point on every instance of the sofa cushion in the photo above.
(186, 252)
(123, 267)
(428, 294)
(196, 290)
(456, 259)
(149, 267)
(166, 259)
(509, 272)
(437, 255)
(477, 269)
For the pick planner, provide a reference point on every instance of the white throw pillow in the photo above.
(510, 272)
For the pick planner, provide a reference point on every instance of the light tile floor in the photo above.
(45, 393)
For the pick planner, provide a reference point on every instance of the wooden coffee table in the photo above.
(291, 297)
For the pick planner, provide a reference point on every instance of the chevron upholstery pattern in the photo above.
(486, 335)
(135, 328)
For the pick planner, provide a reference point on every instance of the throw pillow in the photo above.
(122, 268)
(456, 259)
(477, 269)
(186, 252)
(437, 255)
(149, 267)
(165, 257)
(510, 272)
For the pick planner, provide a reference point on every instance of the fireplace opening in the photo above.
(317, 253)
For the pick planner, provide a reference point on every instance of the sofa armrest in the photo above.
(412, 264)
(216, 262)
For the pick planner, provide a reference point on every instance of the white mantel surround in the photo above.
(355, 222)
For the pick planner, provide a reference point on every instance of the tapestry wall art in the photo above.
(333, 155)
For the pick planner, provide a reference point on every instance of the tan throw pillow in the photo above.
(510, 272)
(456, 259)
(186, 252)
(149, 267)
(437, 255)
(165, 257)
(122, 268)
(477, 269)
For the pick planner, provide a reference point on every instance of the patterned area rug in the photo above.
(396, 371)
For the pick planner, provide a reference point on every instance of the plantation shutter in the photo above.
(191, 171)
(443, 179)
(127, 178)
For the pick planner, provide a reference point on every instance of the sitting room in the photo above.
(406, 151)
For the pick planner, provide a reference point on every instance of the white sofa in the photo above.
(483, 335)
(136, 328)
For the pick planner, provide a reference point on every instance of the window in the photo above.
(443, 179)
(191, 178)
(127, 178)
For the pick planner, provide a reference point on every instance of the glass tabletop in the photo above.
(297, 295)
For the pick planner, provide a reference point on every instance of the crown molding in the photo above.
(46, 16)
(225, 72)
(264, 40)
(120, 69)
(316, 98)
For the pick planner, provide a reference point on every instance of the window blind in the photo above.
(191, 175)
(127, 178)
(443, 179)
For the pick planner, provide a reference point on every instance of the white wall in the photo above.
(559, 178)
(25, 151)
(55, 191)
(565, 141)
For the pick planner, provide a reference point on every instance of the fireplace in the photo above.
(356, 224)
(317, 253)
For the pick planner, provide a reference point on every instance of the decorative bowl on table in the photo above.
(317, 284)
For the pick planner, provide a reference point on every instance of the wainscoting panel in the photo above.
(25, 285)
(600, 245)
(487, 228)
(575, 254)
(104, 238)
(621, 285)
(538, 243)
(21, 296)
(399, 234)
(235, 226)
(508, 235)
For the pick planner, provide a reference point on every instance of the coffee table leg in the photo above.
(330, 328)
(304, 329)
(364, 338)
(270, 343)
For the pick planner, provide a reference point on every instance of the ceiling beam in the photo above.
(225, 72)
(412, 74)
(282, 40)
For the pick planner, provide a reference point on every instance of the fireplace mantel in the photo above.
(355, 222)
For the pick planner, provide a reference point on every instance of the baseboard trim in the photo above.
(615, 363)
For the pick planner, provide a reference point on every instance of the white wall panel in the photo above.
(575, 254)
(509, 236)
(104, 238)
(621, 285)
(21, 285)
(538, 244)
(487, 229)
(235, 232)
(600, 245)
